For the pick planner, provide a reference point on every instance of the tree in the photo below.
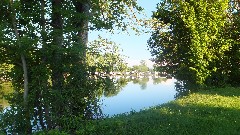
(190, 39)
(105, 56)
(45, 41)
(230, 65)
(141, 68)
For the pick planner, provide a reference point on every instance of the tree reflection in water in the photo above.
(158, 80)
(104, 86)
(141, 81)
(112, 86)
(183, 88)
(115, 85)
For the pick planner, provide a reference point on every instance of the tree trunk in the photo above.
(57, 24)
(25, 71)
(45, 85)
(23, 59)
(56, 63)
(82, 25)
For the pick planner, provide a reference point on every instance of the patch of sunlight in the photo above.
(165, 110)
(210, 100)
(6, 88)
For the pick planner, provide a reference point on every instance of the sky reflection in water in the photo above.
(136, 95)
(133, 97)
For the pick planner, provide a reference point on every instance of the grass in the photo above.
(208, 112)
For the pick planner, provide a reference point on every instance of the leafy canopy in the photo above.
(45, 41)
(190, 38)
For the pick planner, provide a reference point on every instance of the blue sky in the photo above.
(134, 46)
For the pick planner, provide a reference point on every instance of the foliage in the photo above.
(51, 132)
(45, 42)
(105, 56)
(119, 14)
(5, 89)
(213, 111)
(5, 69)
(140, 68)
(190, 42)
(230, 65)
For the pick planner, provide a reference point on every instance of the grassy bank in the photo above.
(208, 112)
(215, 111)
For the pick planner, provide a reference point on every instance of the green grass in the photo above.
(208, 112)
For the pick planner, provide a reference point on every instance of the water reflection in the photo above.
(184, 88)
(113, 85)
(152, 91)
(158, 80)
(141, 81)
(123, 94)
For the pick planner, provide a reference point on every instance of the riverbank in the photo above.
(215, 112)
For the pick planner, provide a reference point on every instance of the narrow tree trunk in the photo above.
(25, 71)
(23, 59)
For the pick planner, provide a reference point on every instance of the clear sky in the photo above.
(134, 46)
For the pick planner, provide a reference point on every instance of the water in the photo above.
(131, 94)
(137, 96)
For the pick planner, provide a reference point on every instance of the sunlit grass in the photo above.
(214, 111)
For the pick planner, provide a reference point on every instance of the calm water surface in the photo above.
(135, 97)
(138, 94)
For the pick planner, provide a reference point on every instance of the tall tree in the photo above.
(46, 42)
(105, 56)
(230, 65)
(190, 39)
